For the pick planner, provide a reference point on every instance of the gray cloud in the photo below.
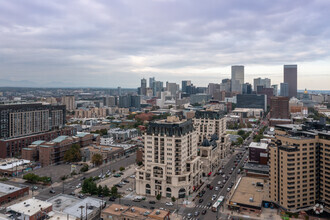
(110, 43)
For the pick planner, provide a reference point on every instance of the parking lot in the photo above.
(55, 171)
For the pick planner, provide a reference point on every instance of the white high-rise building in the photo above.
(69, 102)
(237, 78)
(171, 166)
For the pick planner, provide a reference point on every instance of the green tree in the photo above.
(84, 168)
(122, 168)
(106, 191)
(159, 196)
(97, 159)
(239, 141)
(31, 178)
(114, 191)
(73, 154)
(99, 190)
(173, 199)
(241, 132)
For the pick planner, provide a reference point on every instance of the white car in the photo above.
(216, 188)
(214, 197)
(228, 189)
(169, 204)
(133, 176)
(224, 175)
(78, 186)
(129, 189)
(219, 182)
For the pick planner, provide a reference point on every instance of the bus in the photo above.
(217, 203)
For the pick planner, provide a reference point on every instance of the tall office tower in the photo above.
(275, 89)
(284, 89)
(237, 78)
(129, 101)
(119, 91)
(69, 102)
(290, 77)
(172, 87)
(225, 85)
(246, 88)
(298, 162)
(261, 82)
(151, 82)
(143, 88)
(185, 83)
(279, 107)
(157, 88)
(19, 120)
(171, 166)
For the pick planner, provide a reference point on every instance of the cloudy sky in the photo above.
(111, 43)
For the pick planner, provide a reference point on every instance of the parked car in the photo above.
(169, 204)
(112, 199)
(216, 188)
(152, 202)
(117, 175)
(228, 189)
(200, 200)
(52, 191)
(129, 189)
(125, 181)
(35, 188)
(211, 187)
(219, 182)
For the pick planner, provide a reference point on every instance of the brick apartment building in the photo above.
(299, 166)
(52, 152)
(13, 146)
(9, 193)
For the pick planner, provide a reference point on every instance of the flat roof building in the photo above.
(31, 209)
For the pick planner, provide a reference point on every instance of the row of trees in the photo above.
(33, 178)
(260, 135)
(90, 187)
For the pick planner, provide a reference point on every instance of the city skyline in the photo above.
(96, 44)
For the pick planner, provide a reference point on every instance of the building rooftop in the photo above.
(246, 192)
(256, 167)
(8, 164)
(7, 189)
(59, 139)
(258, 145)
(38, 142)
(71, 205)
(81, 134)
(135, 212)
(29, 207)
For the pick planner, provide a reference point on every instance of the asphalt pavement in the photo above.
(70, 185)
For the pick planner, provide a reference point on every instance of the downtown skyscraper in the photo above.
(290, 77)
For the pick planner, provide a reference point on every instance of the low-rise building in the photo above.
(108, 153)
(9, 193)
(121, 212)
(52, 152)
(248, 195)
(258, 152)
(78, 208)
(14, 166)
(30, 209)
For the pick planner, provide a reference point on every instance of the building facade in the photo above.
(252, 101)
(237, 78)
(279, 107)
(69, 102)
(171, 165)
(299, 166)
(17, 120)
(290, 77)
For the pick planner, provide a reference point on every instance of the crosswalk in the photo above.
(202, 207)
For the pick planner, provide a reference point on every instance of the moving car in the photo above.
(197, 213)
(200, 200)
(214, 197)
(216, 188)
(204, 212)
